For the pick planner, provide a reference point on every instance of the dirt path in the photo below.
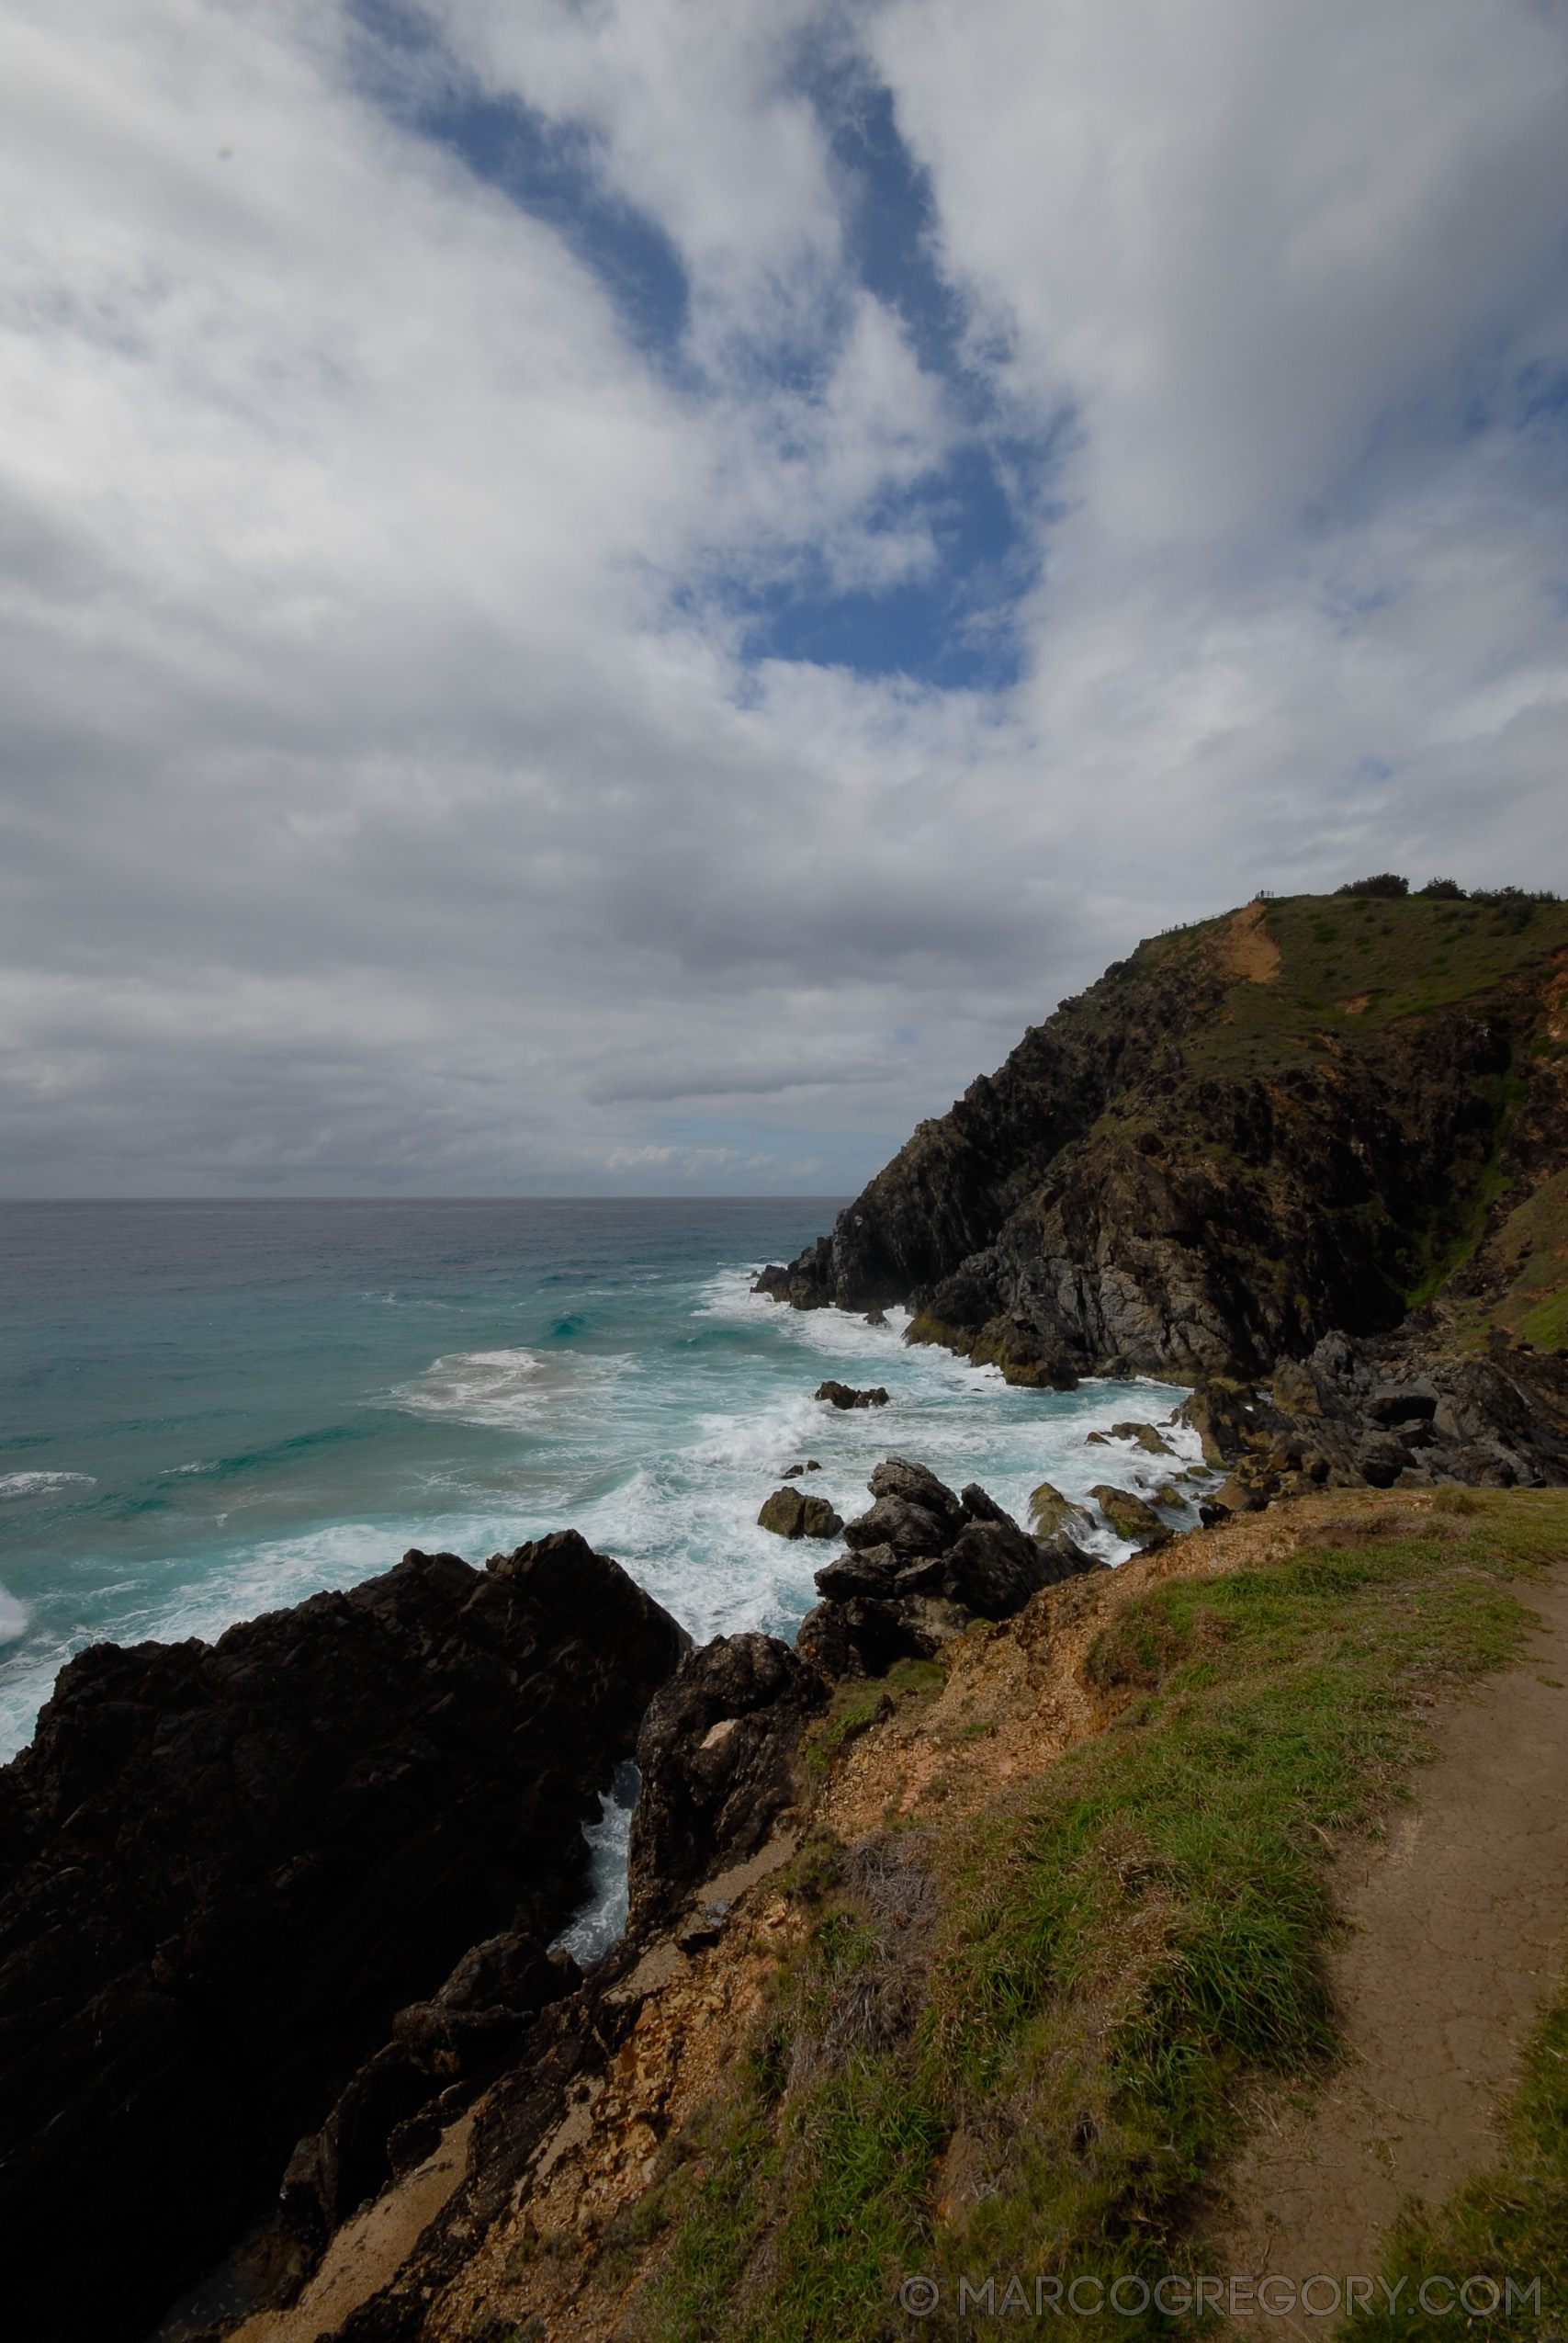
(1461, 1920)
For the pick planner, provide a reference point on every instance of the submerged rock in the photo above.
(225, 1868)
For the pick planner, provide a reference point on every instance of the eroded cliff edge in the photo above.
(1313, 1114)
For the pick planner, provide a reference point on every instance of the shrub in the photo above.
(1386, 882)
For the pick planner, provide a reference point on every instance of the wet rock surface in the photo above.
(844, 1395)
(224, 1869)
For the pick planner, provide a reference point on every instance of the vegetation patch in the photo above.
(1015, 2046)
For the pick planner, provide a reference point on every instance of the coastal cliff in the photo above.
(975, 1969)
(226, 1869)
(1310, 1116)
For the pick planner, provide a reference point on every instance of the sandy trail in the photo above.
(1460, 1918)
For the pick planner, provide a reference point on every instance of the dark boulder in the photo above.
(907, 1529)
(917, 1485)
(790, 1512)
(225, 1868)
(719, 1754)
(921, 1564)
(844, 1395)
(992, 1569)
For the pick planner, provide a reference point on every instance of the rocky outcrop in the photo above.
(1135, 1192)
(922, 1563)
(718, 1756)
(1131, 1518)
(1050, 1512)
(1403, 1411)
(225, 1869)
(790, 1513)
(844, 1395)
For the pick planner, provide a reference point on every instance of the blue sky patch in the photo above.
(550, 170)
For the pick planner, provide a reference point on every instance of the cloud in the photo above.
(569, 576)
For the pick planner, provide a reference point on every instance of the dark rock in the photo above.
(1131, 1518)
(898, 1477)
(907, 1529)
(792, 1472)
(921, 1564)
(719, 1754)
(1146, 1435)
(843, 1395)
(224, 1868)
(789, 1512)
(862, 1637)
(390, 2115)
(993, 1569)
(1393, 1403)
(1061, 1557)
(875, 1570)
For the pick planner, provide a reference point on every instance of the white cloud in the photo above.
(389, 795)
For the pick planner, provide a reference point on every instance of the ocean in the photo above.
(212, 1410)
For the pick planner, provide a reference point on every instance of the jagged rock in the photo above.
(1131, 1518)
(1062, 1557)
(908, 1529)
(843, 1394)
(992, 1567)
(1397, 1403)
(792, 1472)
(719, 1757)
(392, 2109)
(1146, 1435)
(1023, 1358)
(224, 1868)
(864, 1637)
(1049, 1512)
(898, 1477)
(874, 1571)
(921, 1564)
(790, 1512)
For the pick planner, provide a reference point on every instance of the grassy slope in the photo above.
(1350, 967)
(1120, 1942)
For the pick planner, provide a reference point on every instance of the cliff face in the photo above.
(224, 1869)
(1308, 1115)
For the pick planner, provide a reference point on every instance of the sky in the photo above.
(612, 595)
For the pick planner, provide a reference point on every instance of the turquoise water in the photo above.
(211, 1409)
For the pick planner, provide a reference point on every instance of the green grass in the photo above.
(1118, 1945)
